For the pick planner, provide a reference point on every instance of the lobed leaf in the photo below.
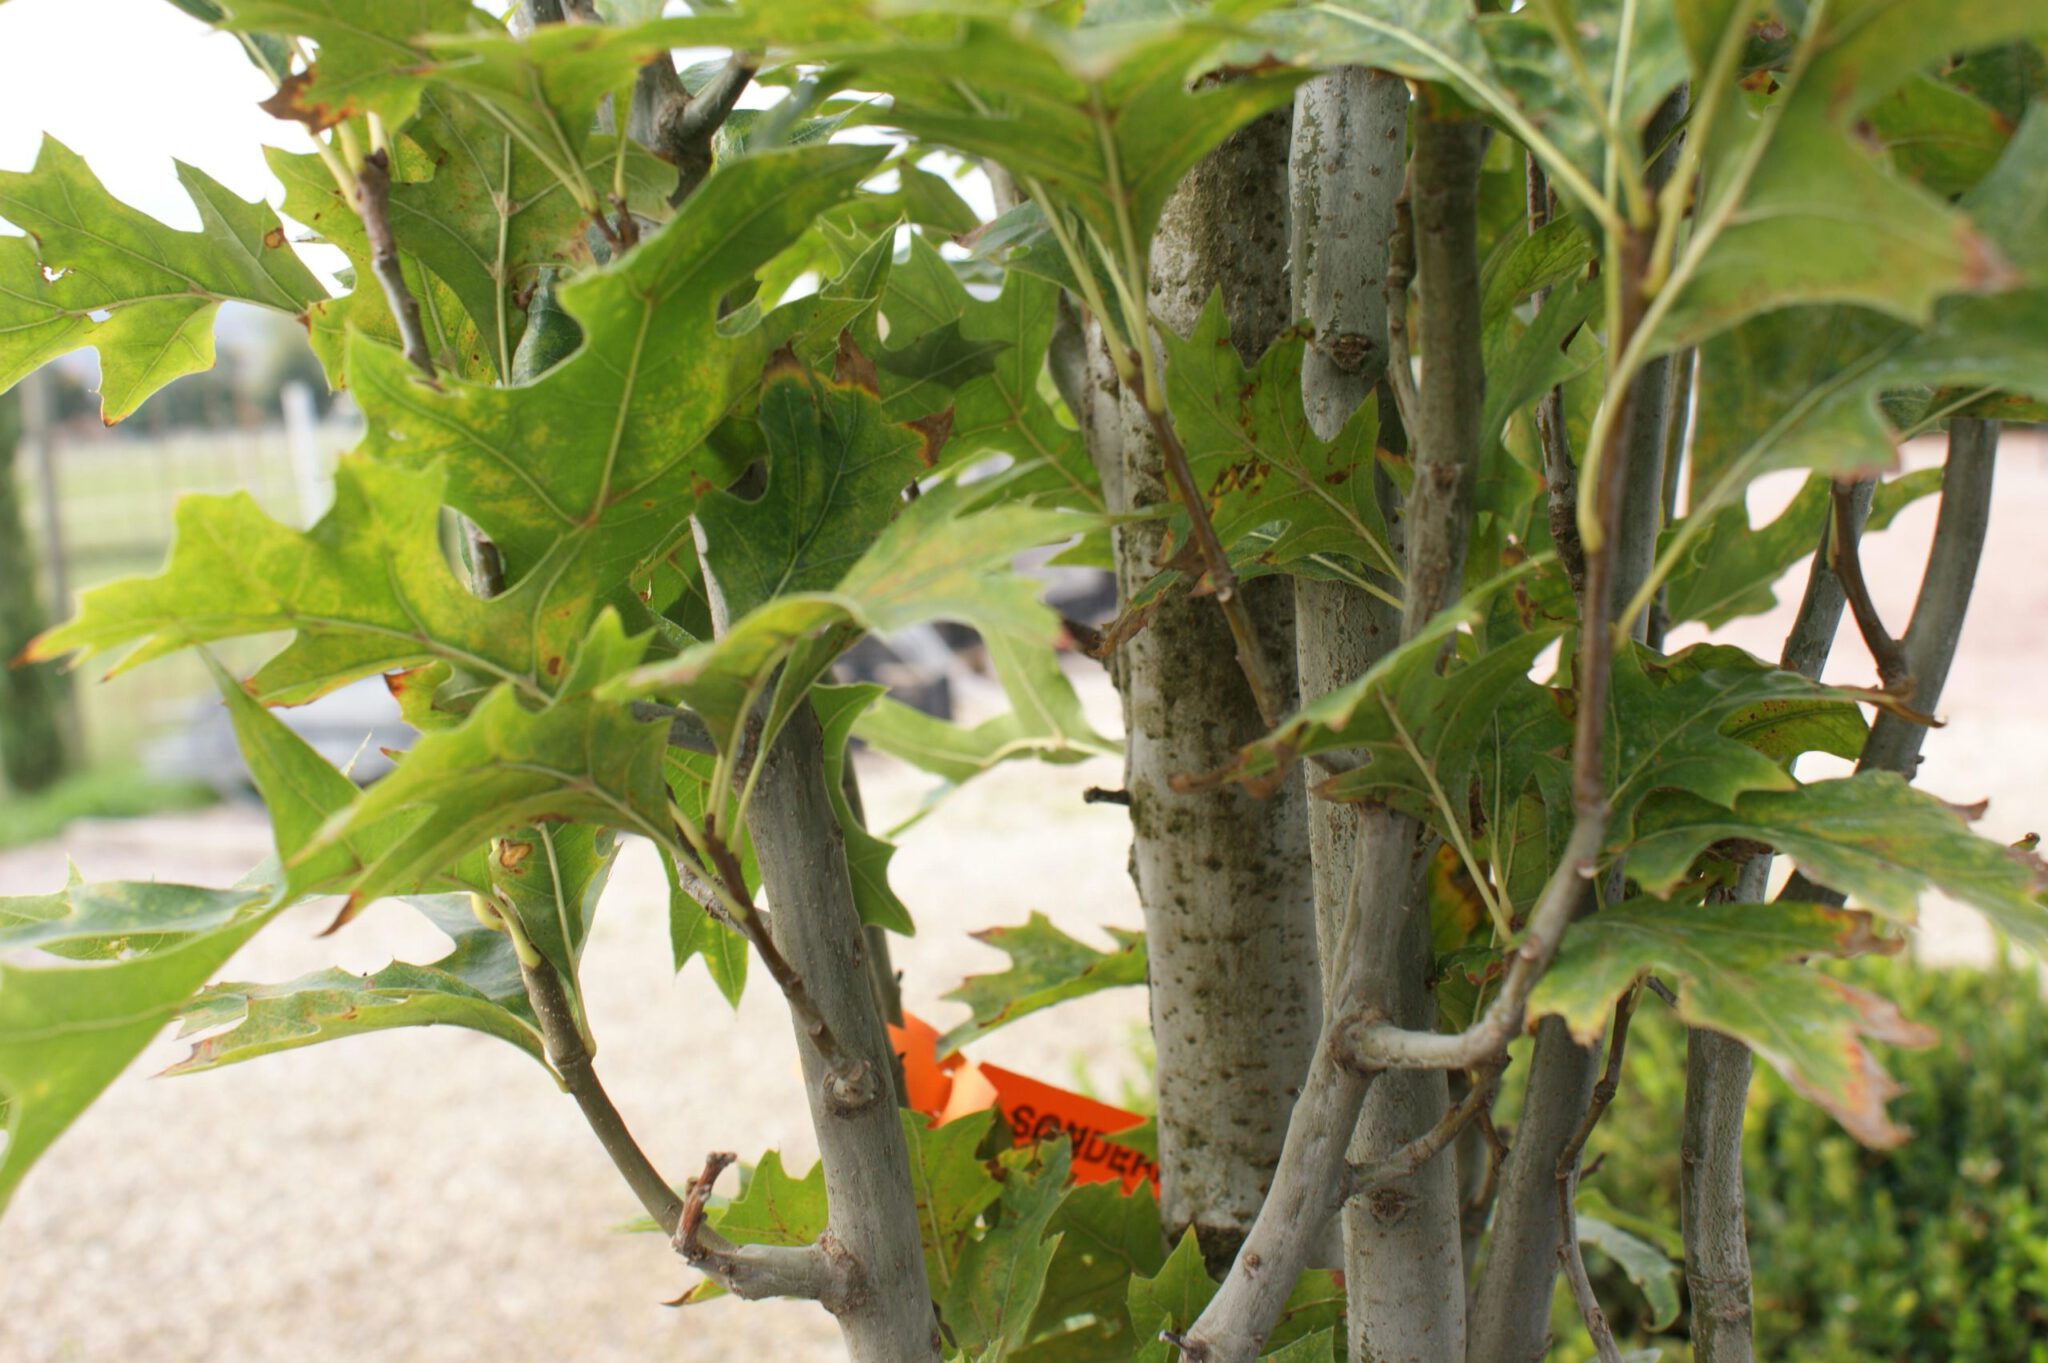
(67, 1032)
(477, 985)
(1871, 836)
(1732, 964)
(94, 272)
(1046, 967)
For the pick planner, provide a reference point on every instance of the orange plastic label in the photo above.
(945, 1088)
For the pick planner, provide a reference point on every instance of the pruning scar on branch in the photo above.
(812, 1272)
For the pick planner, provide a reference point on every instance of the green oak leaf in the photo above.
(693, 932)
(494, 215)
(1734, 972)
(951, 1185)
(510, 766)
(95, 272)
(608, 446)
(1666, 723)
(477, 985)
(366, 590)
(1456, 749)
(551, 876)
(1648, 1267)
(67, 1032)
(1778, 719)
(991, 1299)
(836, 473)
(932, 562)
(1106, 1239)
(1169, 1300)
(1046, 967)
(991, 381)
(1797, 208)
(1255, 459)
(1798, 387)
(546, 86)
(301, 790)
(839, 710)
(369, 61)
(1939, 135)
(312, 197)
(1871, 836)
(1046, 721)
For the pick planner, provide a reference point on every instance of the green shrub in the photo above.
(1932, 1252)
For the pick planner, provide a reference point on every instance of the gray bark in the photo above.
(886, 1316)
(1402, 1256)
(1944, 599)
(1718, 1068)
(1224, 878)
(882, 1303)
(1511, 1301)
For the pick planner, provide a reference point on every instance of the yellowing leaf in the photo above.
(95, 272)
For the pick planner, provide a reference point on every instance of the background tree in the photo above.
(1411, 771)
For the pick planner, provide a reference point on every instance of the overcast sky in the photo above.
(130, 84)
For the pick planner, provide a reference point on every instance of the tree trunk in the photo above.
(1401, 1256)
(1224, 878)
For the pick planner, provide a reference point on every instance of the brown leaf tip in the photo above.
(933, 432)
(853, 369)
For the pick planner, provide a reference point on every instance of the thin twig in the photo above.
(571, 1060)
(1847, 560)
(1222, 577)
(373, 205)
(1408, 1160)
(1568, 1250)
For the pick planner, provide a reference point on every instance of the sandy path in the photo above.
(427, 1197)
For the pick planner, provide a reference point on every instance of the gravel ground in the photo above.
(428, 1197)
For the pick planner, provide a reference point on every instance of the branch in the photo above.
(678, 126)
(1944, 601)
(1568, 1250)
(1844, 540)
(373, 205)
(1361, 1180)
(571, 1059)
(820, 1272)
(1370, 1045)
(1438, 516)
